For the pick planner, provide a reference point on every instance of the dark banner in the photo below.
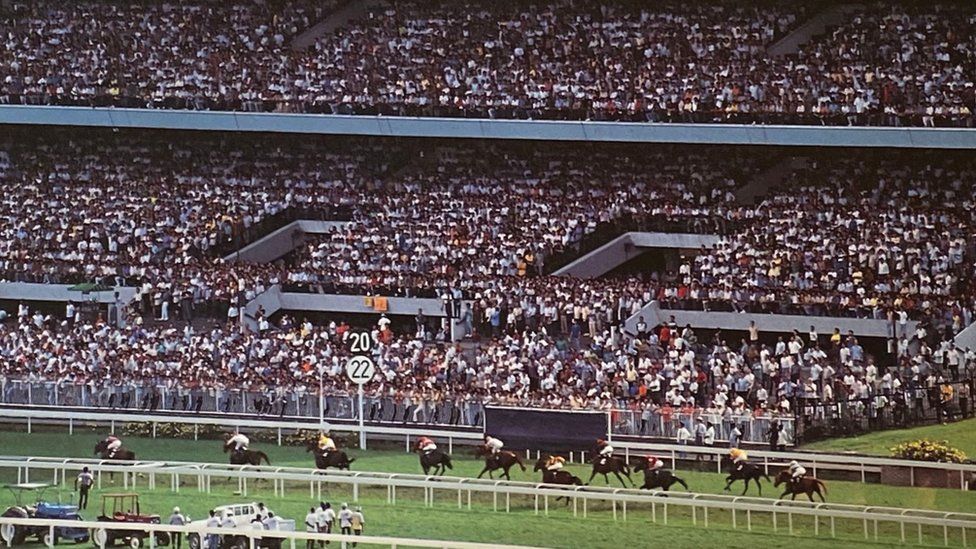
(546, 431)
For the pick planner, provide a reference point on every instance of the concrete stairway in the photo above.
(355, 9)
(816, 25)
(770, 179)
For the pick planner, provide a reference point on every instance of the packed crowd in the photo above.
(656, 381)
(124, 210)
(847, 236)
(194, 55)
(481, 217)
(690, 62)
(870, 238)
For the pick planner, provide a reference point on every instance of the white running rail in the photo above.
(582, 498)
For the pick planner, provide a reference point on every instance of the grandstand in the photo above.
(777, 293)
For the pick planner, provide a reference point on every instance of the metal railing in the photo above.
(151, 533)
(125, 398)
(581, 497)
(654, 424)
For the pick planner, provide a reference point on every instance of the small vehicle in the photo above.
(16, 535)
(243, 515)
(124, 508)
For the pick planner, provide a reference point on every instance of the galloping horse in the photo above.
(246, 457)
(503, 460)
(122, 454)
(806, 485)
(748, 472)
(564, 478)
(661, 478)
(324, 460)
(436, 460)
(610, 464)
(556, 477)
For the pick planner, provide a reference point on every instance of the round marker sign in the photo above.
(360, 369)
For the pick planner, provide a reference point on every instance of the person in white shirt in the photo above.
(345, 520)
(213, 540)
(311, 526)
(493, 444)
(239, 442)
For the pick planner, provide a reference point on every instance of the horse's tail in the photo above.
(262, 455)
(681, 482)
(822, 485)
(350, 460)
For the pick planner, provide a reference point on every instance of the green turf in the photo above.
(961, 434)
(445, 521)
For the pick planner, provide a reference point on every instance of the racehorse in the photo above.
(435, 459)
(503, 460)
(748, 472)
(246, 457)
(556, 477)
(122, 454)
(662, 478)
(324, 460)
(806, 485)
(610, 464)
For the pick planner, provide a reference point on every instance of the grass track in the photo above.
(445, 521)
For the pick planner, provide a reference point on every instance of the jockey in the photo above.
(493, 444)
(239, 441)
(797, 471)
(112, 444)
(326, 444)
(739, 457)
(555, 463)
(603, 448)
(654, 463)
(426, 445)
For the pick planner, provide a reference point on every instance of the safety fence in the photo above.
(153, 535)
(126, 399)
(866, 468)
(780, 515)
(278, 402)
(658, 424)
(72, 418)
(955, 474)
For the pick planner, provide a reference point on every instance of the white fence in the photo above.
(814, 462)
(148, 534)
(460, 490)
(29, 417)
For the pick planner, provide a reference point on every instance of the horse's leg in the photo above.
(810, 495)
(746, 489)
(507, 476)
(483, 471)
(606, 479)
(758, 486)
(822, 498)
(593, 474)
(783, 495)
(728, 483)
(794, 496)
(621, 479)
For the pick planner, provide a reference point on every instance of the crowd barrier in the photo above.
(254, 537)
(581, 498)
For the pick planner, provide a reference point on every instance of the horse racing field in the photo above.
(409, 517)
